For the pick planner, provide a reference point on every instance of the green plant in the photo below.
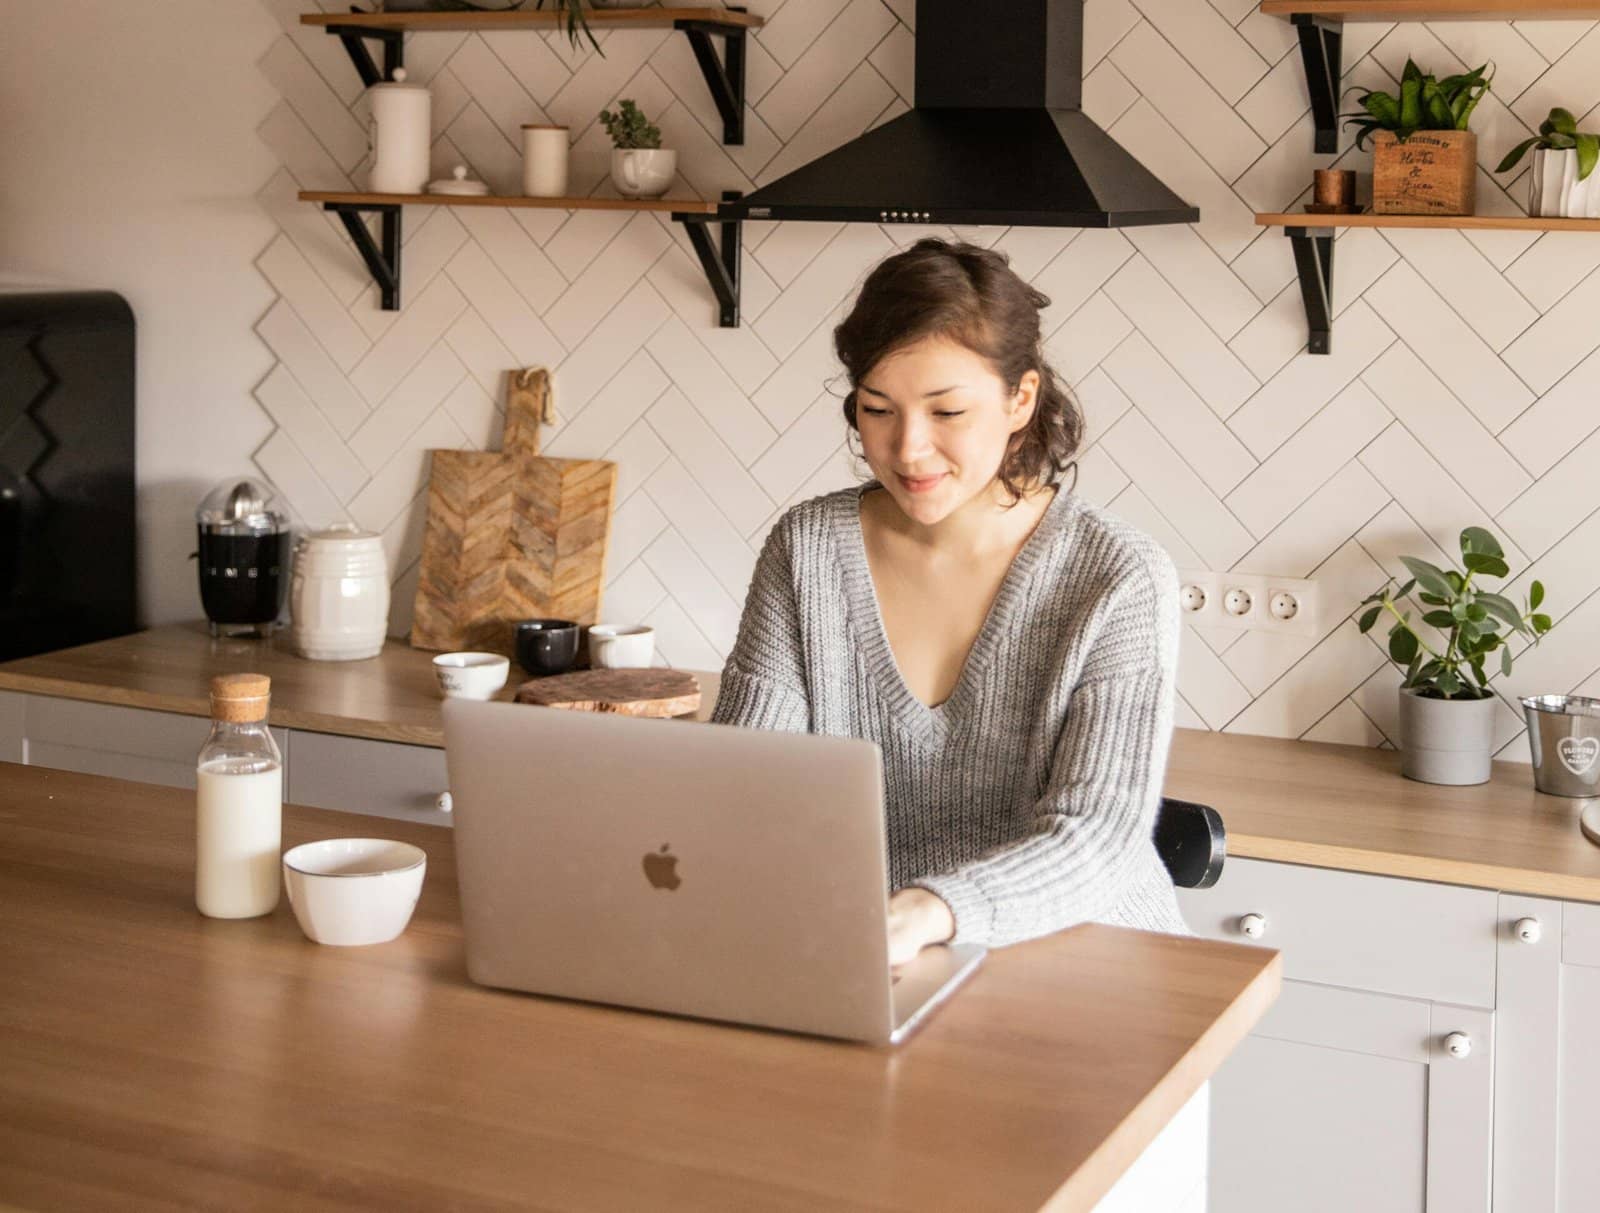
(629, 128)
(1558, 132)
(1475, 622)
(1424, 104)
(576, 21)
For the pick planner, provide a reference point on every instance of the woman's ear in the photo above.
(1024, 400)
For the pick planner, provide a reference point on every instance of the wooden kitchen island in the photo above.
(150, 1057)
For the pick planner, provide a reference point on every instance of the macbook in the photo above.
(698, 869)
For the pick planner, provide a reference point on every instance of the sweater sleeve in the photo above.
(763, 681)
(1097, 813)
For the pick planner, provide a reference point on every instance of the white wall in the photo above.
(156, 147)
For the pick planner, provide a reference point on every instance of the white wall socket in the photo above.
(1248, 602)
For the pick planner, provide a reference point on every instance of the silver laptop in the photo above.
(698, 869)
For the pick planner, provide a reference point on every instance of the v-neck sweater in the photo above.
(1027, 799)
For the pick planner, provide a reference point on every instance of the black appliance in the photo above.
(997, 137)
(244, 558)
(68, 572)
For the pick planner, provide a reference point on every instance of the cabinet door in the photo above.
(1578, 1104)
(1344, 1100)
(359, 776)
(1527, 1060)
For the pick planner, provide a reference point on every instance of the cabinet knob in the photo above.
(445, 803)
(1458, 1044)
(1253, 925)
(1527, 929)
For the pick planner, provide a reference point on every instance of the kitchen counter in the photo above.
(154, 1055)
(1300, 802)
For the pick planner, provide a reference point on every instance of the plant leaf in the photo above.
(1369, 618)
(1431, 579)
(1476, 539)
(1440, 619)
(1563, 121)
(1535, 595)
(1541, 623)
(1505, 661)
(1449, 683)
(1515, 155)
(1588, 154)
(1402, 645)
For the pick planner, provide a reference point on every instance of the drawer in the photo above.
(124, 743)
(383, 778)
(1378, 933)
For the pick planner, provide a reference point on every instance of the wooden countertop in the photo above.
(149, 1053)
(1301, 802)
(390, 697)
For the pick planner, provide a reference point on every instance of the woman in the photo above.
(1010, 648)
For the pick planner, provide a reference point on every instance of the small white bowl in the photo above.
(621, 646)
(471, 675)
(354, 891)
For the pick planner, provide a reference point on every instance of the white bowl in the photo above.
(354, 891)
(621, 646)
(471, 675)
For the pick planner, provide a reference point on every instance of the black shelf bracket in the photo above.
(382, 263)
(1313, 258)
(1321, 49)
(724, 77)
(355, 38)
(721, 265)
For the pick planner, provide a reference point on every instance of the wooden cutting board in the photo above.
(511, 534)
(624, 692)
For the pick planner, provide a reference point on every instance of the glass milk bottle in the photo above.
(239, 803)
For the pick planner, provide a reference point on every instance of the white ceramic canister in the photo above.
(339, 595)
(401, 120)
(544, 161)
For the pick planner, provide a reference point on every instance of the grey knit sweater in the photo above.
(1026, 800)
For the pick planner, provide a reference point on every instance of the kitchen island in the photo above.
(150, 1057)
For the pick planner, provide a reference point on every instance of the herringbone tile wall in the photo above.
(1461, 390)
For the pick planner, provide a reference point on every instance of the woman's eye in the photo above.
(872, 412)
(951, 413)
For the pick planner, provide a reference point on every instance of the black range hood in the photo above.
(997, 137)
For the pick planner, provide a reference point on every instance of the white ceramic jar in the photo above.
(339, 595)
(544, 161)
(401, 137)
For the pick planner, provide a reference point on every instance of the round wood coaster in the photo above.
(626, 692)
(1590, 821)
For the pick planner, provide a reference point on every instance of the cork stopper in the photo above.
(240, 698)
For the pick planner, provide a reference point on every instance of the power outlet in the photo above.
(1246, 602)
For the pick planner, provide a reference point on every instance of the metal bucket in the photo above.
(1564, 734)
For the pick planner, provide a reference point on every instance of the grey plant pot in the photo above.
(1445, 740)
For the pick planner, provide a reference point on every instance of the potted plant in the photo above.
(572, 12)
(1424, 159)
(640, 167)
(1563, 159)
(1446, 705)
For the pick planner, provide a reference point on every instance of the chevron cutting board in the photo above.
(511, 534)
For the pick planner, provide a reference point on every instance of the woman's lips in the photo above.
(920, 484)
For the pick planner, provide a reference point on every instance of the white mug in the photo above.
(617, 646)
(643, 172)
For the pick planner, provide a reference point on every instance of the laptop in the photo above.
(698, 869)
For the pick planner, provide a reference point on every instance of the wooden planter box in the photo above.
(1431, 173)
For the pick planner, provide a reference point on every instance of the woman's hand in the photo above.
(917, 918)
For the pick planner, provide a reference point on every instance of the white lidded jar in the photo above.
(238, 803)
(339, 594)
(402, 116)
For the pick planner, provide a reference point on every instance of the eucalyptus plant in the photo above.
(1424, 104)
(629, 128)
(1558, 132)
(1475, 622)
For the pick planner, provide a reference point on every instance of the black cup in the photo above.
(547, 646)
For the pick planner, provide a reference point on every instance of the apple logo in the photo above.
(661, 869)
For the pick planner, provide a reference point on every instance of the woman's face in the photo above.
(935, 420)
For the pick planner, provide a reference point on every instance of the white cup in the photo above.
(643, 172)
(617, 646)
(471, 675)
(544, 161)
(354, 891)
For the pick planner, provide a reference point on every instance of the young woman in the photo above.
(1010, 648)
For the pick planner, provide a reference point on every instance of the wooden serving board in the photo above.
(511, 534)
(624, 692)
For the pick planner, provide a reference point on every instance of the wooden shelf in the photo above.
(1434, 10)
(598, 18)
(1480, 223)
(682, 206)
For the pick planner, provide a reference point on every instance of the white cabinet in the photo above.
(1547, 1079)
(354, 775)
(1369, 1085)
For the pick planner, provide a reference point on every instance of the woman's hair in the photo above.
(969, 295)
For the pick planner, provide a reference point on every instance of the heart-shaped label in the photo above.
(1577, 754)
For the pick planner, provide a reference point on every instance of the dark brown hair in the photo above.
(970, 295)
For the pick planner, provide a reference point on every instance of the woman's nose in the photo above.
(911, 441)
